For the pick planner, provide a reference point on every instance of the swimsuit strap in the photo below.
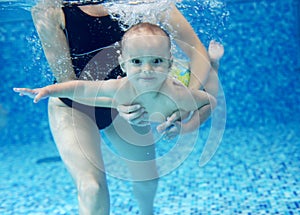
(70, 3)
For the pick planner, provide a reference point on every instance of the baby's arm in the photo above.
(202, 105)
(75, 90)
(195, 121)
(64, 90)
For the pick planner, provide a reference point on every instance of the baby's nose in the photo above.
(147, 67)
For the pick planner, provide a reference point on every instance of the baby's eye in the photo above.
(136, 61)
(157, 61)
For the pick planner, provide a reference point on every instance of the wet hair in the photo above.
(145, 29)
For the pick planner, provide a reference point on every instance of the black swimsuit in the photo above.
(88, 39)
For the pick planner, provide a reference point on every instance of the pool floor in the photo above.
(255, 171)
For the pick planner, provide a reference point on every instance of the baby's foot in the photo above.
(215, 51)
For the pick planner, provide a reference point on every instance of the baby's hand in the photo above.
(36, 94)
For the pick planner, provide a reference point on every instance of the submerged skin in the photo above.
(171, 127)
(77, 136)
(50, 25)
(146, 59)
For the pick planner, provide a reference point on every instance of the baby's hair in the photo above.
(145, 29)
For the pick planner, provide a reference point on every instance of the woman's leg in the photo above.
(136, 148)
(78, 141)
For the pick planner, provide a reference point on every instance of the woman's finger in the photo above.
(142, 120)
(128, 108)
(174, 117)
(163, 126)
(131, 116)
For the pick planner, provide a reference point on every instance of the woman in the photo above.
(69, 36)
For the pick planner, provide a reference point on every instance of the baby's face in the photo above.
(146, 60)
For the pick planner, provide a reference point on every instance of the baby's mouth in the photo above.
(148, 78)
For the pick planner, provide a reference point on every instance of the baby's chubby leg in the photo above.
(135, 145)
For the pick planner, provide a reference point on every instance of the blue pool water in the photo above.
(255, 169)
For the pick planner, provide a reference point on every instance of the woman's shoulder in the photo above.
(50, 3)
(49, 12)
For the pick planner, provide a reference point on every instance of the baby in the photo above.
(146, 59)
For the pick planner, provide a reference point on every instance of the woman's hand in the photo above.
(36, 94)
(173, 129)
(134, 114)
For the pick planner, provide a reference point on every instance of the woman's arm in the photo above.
(206, 103)
(197, 102)
(193, 100)
(49, 21)
(200, 68)
(189, 42)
